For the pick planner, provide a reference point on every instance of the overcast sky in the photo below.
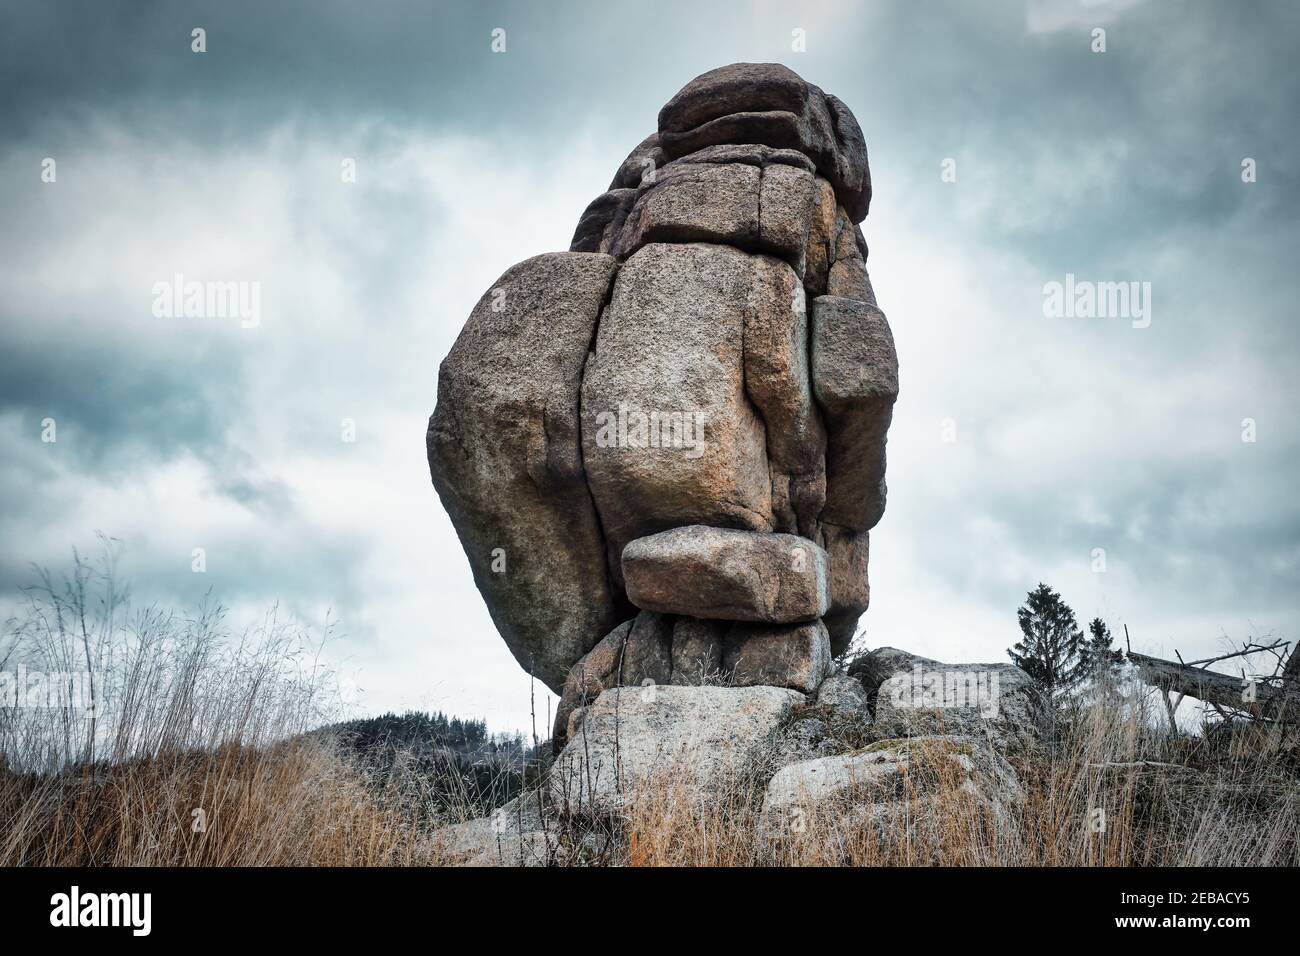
(1071, 434)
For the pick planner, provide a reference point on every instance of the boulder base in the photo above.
(699, 739)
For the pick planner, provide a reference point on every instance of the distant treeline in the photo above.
(451, 764)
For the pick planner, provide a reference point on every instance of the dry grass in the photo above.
(196, 751)
(1229, 799)
(296, 804)
(199, 754)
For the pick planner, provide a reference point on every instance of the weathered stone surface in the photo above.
(698, 739)
(891, 773)
(789, 199)
(695, 202)
(730, 575)
(596, 671)
(852, 176)
(640, 164)
(602, 220)
(671, 344)
(505, 459)
(769, 104)
(797, 656)
(847, 276)
(512, 835)
(850, 590)
(649, 654)
(751, 154)
(669, 373)
(776, 381)
(821, 246)
(844, 697)
(805, 738)
(915, 695)
(855, 381)
(634, 653)
(697, 650)
(848, 279)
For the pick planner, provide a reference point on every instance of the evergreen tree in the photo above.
(1050, 644)
(1096, 655)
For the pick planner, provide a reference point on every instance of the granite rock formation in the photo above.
(664, 450)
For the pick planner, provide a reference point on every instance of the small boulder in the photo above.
(636, 652)
(855, 380)
(850, 590)
(640, 164)
(920, 772)
(780, 655)
(694, 202)
(512, 835)
(844, 697)
(721, 573)
(602, 221)
(697, 650)
(914, 695)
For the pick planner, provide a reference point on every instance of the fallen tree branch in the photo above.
(1141, 765)
(1215, 688)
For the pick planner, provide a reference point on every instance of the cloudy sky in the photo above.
(1071, 434)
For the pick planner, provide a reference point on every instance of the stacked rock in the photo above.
(663, 450)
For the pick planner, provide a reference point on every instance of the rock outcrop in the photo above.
(887, 788)
(914, 696)
(818, 773)
(698, 739)
(663, 450)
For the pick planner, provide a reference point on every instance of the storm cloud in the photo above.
(1006, 154)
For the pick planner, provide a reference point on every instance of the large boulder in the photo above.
(707, 361)
(914, 695)
(635, 740)
(855, 380)
(732, 575)
(900, 781)
(506, 461)
(669, 437)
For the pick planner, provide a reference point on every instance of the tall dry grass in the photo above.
(1116, 789)
(188, 745)
(201, 751)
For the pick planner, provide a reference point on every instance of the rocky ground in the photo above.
(861, 749)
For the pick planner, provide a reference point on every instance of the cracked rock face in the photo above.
(685, 415)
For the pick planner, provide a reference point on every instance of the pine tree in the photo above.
(1049, 648)
(1096, 655)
